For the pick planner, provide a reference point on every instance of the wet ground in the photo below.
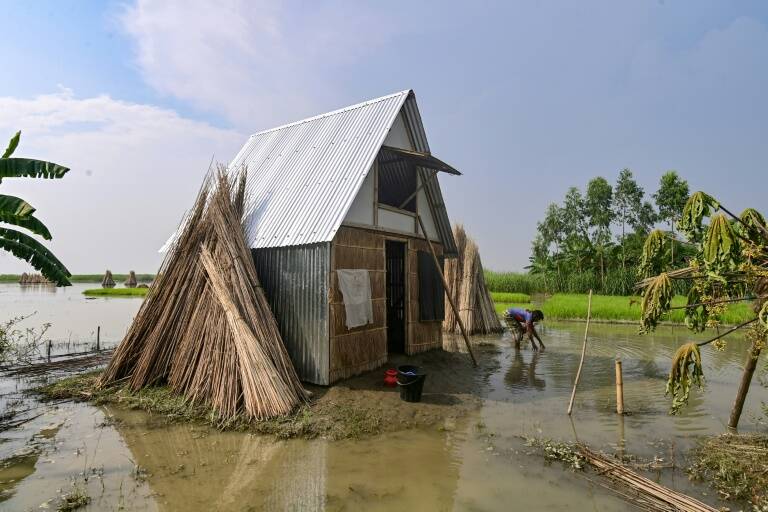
(474, 460)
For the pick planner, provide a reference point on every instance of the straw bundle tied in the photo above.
(205, 327)
(108, 281)
(131, 281)
(464, 275)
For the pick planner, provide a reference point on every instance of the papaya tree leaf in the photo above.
(753, 226)
(15, 206)
(653, 250)
(12, 145)
(30, 168)
(698, 206)
(38, 260)
(721, 244)
(29, 222)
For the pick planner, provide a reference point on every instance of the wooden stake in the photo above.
(746, 379)
(619, 388)
(583, 352)
(98, 338)
(447, 290)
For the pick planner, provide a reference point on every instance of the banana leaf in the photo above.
(38, 260)
(30, 168)
(12, 145)
(24, 239)
(29, 222)
(15, 206)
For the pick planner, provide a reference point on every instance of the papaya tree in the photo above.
(14, 211)
(729, 264)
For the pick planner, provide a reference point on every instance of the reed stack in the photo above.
(205, 328)
(131, 281)
(466, 282)
(108, 281)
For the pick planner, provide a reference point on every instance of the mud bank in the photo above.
(355, 408)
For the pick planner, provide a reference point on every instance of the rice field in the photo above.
(568, 306)
(116, 292)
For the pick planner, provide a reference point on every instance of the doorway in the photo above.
(395, 279)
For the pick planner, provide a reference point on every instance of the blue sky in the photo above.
(526, 98)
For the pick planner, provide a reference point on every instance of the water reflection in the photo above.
(523, 375)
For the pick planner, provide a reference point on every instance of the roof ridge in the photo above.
(334, 112)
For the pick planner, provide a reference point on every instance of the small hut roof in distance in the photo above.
(304, 176)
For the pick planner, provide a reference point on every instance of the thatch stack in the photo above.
(131, 281)
(33, 279)
(108, 281)
(466, 281)
(205, 327)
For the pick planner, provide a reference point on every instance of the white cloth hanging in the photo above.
(355, 286)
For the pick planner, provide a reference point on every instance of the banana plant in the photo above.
(17, 212)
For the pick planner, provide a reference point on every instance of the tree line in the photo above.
(594, 238)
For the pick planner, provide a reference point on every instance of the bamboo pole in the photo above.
(619, 388)
(583, 353)
(448, 294)
(746, 379)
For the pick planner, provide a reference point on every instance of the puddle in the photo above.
(478, 461)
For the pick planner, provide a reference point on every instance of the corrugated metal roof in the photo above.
(304, 176)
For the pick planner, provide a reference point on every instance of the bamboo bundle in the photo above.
(205, 326)
(464, 275)
(131, 281)
(642, 491)
(108, 281)
(33, 279)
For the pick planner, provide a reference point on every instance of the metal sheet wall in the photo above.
(295, 281)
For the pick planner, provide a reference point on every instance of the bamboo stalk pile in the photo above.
(108, 281)
(131, 281)
(205, 327)
(464, 275)
(33, 279)
(641, 491)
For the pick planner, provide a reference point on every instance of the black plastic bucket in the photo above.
(410, 386)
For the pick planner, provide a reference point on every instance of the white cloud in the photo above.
(134, 170)
(253, 61)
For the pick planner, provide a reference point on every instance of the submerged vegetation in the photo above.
(116, 292)
(736, 465)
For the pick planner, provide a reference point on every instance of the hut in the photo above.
(337, 202)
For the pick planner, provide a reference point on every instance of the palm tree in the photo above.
(17, 212)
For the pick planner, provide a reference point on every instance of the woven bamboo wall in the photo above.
(420, 336)
(362, 348)
(365, 348)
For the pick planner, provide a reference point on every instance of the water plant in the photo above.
(17, 212)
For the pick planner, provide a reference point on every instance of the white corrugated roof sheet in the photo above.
(304, 176)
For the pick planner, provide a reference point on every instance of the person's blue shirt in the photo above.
(521, 315)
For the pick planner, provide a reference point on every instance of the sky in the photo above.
(525, 98)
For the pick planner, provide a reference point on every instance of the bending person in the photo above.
(524, 321)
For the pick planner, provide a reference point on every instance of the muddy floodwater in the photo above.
(130, 460)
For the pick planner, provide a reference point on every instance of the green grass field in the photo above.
(85, 278)
(116, 292)
(566, 306)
